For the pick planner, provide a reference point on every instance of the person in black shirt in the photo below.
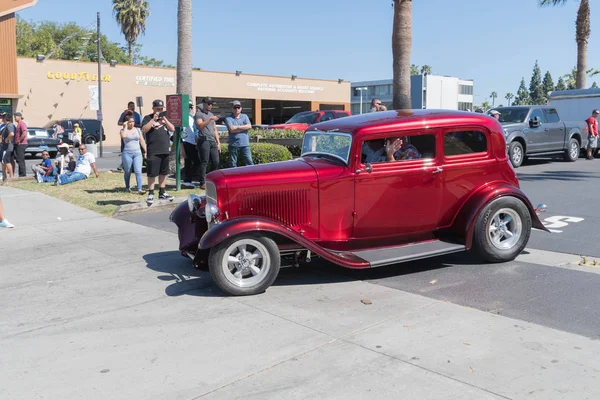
(156, 127)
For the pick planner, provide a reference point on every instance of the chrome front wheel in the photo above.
(505, 229)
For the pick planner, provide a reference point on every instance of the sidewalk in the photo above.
(98, 308)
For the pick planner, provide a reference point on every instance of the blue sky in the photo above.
(493, 42)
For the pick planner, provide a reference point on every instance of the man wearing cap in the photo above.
(65, 160)
(156, 127)
(189, 152)
(209, 144)
(238, 125)
(20, 143)
(495, 114)
(592, 129)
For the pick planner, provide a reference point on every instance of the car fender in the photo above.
(577, 134)
(512, 136)
(464, 224)
(233, 227)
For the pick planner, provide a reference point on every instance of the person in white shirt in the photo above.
(86, 162)
(189, 138)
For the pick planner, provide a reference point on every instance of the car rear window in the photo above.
(458, 143)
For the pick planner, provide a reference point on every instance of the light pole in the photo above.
(361, 90)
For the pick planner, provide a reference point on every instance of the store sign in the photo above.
(280, 88)
(77, 76)
(5, 102)
(177, 110)
(148, 80)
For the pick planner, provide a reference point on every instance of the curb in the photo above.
(143, 206)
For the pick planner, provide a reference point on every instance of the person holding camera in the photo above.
(156, 127)
(209, 145)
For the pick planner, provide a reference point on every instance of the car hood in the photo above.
(300, 127)
(261, 175)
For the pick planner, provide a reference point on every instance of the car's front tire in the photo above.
(516, 154)
(244, 265)
(502, 230)
(573, 150)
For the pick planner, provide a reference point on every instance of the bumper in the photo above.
(190, 228)
(40, 148)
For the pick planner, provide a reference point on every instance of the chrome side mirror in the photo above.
(368, 168)
(541, 207)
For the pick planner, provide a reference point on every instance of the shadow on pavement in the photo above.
(557, 176)
(191, 281)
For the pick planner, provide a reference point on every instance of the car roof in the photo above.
(406, 120)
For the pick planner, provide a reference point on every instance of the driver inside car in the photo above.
(385, 150)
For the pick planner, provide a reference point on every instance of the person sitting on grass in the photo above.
(44, 171)
(86, 162)
(65, 160)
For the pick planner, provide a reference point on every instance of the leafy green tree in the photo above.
(560, 85)
(547, 84)
(582, 36)
(485, 105)
(426, 70)
(494, 95)
(401, 48)
(594, 85)
(522, 95)
(131, 16)
(509, 96)
(414, 69)
(536, 90)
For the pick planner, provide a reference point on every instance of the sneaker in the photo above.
(188, 185)
(589, 158)
(6, 224)
(150, 198)
(39, 177)
(165, 196)
(141, 191)
(203, 186)
(127, 190)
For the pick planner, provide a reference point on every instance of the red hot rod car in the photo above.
(369, 190)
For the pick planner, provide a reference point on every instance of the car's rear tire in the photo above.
(516, 154)
(244, 265)
(89, 140)
(502, 230)
(572, 151)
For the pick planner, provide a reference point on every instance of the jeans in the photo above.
(233, 155)
(20, 158)
(207, 150)
(132, 160)
(192, 161)
(71, 177)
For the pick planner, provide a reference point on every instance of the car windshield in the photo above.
(515, 115)
(336, 144)
(304, 118)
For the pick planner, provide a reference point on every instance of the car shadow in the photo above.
(556, 176)
(187, 280)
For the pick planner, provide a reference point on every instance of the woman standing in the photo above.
(131, 156)
(77, 133)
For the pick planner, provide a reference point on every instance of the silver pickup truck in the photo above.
(538, 131)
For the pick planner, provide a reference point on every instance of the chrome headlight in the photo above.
(193, 202)
(212, 213)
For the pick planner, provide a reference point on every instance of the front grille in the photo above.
(289, 207)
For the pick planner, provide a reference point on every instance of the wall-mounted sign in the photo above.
(5, 102)
(279, 88)
(77, 76)
(148, 80)
(177, 112)
(94, 105)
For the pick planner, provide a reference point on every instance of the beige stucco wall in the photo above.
(47, 96)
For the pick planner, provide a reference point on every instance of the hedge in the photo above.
(267, 134)
(262, 153)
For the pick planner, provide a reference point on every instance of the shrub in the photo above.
(270, 134)
(262, 153)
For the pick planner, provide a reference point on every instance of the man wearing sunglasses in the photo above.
(377, 106)
(86, 162)
(238, 125)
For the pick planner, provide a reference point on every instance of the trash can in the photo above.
(92, 148)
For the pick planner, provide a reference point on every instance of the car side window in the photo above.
(326, 117)
(458, 143)
(398, 148)
(64, 124)
(551, 115)
(537, 113)
(341, 115)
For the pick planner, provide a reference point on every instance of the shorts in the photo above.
(157, 164)
(592, 142)
(6, 154)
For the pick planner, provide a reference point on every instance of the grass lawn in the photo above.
(102, 195)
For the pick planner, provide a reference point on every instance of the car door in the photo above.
(537, 139)
(555, 129)
(400, 197)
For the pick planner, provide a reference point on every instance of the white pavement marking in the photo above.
(560, 260)
(559, 221)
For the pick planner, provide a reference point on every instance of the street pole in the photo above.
(177, 141)
(99, 85)
(361, 101)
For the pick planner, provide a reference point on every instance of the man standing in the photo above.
(495, 114)
(377, 106)
(156, 127)
(20, 143)
(209, 144)
(86, 162)
(192, 162)
(137, 118)
(592, 125)
(7, 135)
(238, 125)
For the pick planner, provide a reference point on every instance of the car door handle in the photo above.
(437, 170)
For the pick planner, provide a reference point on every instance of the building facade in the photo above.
(427, 91)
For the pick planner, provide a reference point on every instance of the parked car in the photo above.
(303, 120)
(40, 139)
(451, 189)
(91, 129)
(538, 131)
(222, 130)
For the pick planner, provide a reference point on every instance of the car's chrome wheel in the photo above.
(574, 150)
(505, 229)
(517, 155)
(245, 264)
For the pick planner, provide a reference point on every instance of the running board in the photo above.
(408, 252)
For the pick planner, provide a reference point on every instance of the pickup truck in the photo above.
(538, 131)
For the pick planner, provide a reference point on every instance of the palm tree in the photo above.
(494, 95)
(485, 105)
(582, 36)
(401, 47)
(426, 70)
(509, 96)
(131, 16)
(184, 47)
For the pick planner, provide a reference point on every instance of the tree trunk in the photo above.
(582, 36)
(184, 48)
(401, 47)
(130, 49)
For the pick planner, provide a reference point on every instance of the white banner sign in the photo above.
(148, 80)
(289, 88)
(94, 98)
